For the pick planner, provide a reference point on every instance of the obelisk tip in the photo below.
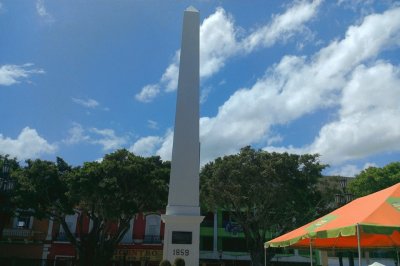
(191, 9)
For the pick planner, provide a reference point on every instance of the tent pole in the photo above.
(311, 253)
(397, 251)
(358, 245)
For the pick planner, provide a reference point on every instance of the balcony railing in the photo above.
(62, 236)
(152, 239)
(18, 233)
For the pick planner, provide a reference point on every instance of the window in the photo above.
(23, 222)
(128, 237)
(152, 232)
(71, 222)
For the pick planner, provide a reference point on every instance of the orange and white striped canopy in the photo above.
(377, 217)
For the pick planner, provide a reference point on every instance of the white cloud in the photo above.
(150, 145)
(42, 12)
(148, 93)
(350, 170)
(28, 145)
(365, 6)
(89, 103)
(12, 74)
(152, 124)
(146, 146)
(368, 165)
(204, 94)
(298, 86)
(369, 115)
(274, 139)
(283, 26)
(76, 135)
(108, 139)
(368, 95)
(165, 150)
(170, 76)
(341, 75)
(219, 41)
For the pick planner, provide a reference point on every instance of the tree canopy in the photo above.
(109, 193)
(374, 179)
(7, 165)
(264, 192)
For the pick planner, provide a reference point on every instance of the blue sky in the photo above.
(80, 79)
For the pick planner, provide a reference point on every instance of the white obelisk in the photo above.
(182, 219)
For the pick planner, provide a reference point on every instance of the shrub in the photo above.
(179, 262)
(165, 263)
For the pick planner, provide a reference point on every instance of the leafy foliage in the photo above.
(7, 166)
(165, 263)
(374, 179)
(109, 193)
(263, 191)
(179, 262)
(41, 187)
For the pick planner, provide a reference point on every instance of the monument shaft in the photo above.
(186, 148)
(182, 219)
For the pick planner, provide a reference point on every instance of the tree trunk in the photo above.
(86, 255)
(3, 220)
(257, 257)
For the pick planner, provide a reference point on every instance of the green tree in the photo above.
(374, 179)
(109, 193)
(165, 263)
(7, 166)
(179, 262)
(264, 192)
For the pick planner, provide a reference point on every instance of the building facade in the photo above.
(221, 240)
(45, 242)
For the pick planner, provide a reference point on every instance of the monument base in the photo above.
(182, 238)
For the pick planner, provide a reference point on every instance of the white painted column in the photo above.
(45, 253)
(47, 246)
(49, 235)
(182, 218)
